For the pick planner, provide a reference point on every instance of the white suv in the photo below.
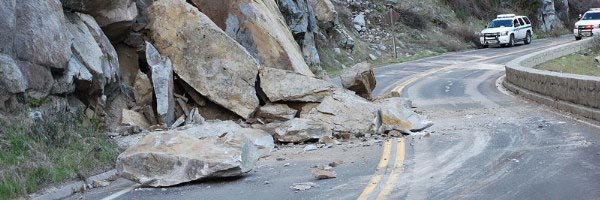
(506, 30)
(588, 24)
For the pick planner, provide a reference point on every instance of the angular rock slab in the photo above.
(298, 130)
(360, 79)
(284, 85)
(325, 13)
(162, 82)
(161, 159)
(276, 112)
(258, 26)
(396, 114)
(12, 79)
(346, 112)
(204, 56)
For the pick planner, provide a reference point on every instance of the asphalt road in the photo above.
(485, 144)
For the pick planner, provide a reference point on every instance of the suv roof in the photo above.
(508, 16)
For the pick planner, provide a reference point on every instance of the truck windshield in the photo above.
(501, 23)
(591, 16)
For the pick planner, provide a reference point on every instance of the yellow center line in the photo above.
(398, 167)
(383, 162)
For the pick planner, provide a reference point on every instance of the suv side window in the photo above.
(521, 21)
(527, 20)
(516, 23)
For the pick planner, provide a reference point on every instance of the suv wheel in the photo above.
(577, 37)
(528, 38)
(511, 43)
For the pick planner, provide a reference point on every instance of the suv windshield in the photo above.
(591, 16)
(501, 23)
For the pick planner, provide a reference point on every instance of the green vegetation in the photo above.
(53, 150)
(582, 63)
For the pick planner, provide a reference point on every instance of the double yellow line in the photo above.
(376, 182)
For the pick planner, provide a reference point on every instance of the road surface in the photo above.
(485, 144)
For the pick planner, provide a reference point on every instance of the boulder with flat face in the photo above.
(298, 130)
(166, 159)
(325, 13)
(12, 79)
(347, 112)
(283, 85)
(396, 114)
(258, 26)
(360, 79)
(204, 56)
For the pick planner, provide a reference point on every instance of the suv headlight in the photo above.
(504, 33)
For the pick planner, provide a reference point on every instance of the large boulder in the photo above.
(114, 16)
(396, 114)
(258, 26)
(360, 79)
(111, 67)
(12, 79)
(346, 112)
(40, 33)
(298, 130)
(283, 85)
(162, 82)
(548, 17)
(8, 15)
(39, 79)
(142, 89)
(166, 159)
(204, 56)
(261, 139)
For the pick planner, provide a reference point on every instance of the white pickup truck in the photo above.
(506, 30)
(588, 24)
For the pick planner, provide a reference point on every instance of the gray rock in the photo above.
(325, 13)
(547, 16)
(310, 147)
(40, 35)
(39, 79)
(162, 81)
(276, 112)
(111, 67)
(87, 53)
(204, 56)
(304, 186)
(396, 114)
(164, 159)
(300, 17)
(360, 79)
(115, 16)
(298, 130)
(8, 10)
(360, 24)
(346, 112)
(283, 85)
(11, 78)
(342, 38)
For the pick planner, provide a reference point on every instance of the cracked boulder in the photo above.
(283, 85)
(298, 130)
(259, 26)
(360, 79)
(346, 112)
(167, 159)
(114, 16)
(204, 56)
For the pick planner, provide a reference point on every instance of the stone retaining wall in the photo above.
(574, 93)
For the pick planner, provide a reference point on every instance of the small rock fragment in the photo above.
(322, 174)
(303, 186)
(310, 147)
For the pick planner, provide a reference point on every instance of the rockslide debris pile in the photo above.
(195, 89)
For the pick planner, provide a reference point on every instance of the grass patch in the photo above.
(56, 149)
(582, 63)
